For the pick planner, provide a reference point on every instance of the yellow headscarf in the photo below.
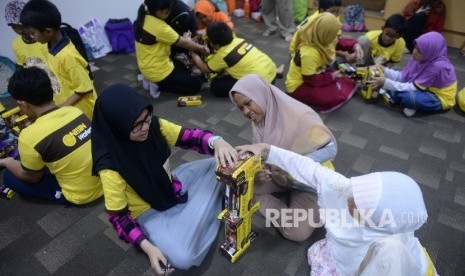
(321, 33)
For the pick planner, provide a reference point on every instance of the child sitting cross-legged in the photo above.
(385, 46)
(427, 83)
(235, 56)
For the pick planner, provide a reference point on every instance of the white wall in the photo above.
(75, 13)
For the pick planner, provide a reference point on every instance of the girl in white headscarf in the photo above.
(370, 219)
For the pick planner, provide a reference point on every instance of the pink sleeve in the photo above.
(195, 139)
(127, 228)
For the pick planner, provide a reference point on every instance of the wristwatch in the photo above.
(211, 141)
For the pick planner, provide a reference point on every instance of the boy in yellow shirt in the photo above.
(235, 56)
(23, 45)
(385, 46)
(43, 20)
(55, 150)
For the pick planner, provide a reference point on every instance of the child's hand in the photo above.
(337, 74)
(205, 50)
(377, 82)
(358, 52)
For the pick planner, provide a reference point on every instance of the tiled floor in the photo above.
(38, 238)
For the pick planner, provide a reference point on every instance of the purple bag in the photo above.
(120, 32)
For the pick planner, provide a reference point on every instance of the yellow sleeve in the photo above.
(310, 61)
(114, 190)
(216, 62)
(162, 31)
(30, 158)
(398, 50)
(170, 131)
(78, 75)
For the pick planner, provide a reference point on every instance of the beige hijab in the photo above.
(288, 123)
(321, 33)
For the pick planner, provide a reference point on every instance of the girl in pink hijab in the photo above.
(280, 120)
(427, 83)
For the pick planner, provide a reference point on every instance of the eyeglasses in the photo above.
(138, 126)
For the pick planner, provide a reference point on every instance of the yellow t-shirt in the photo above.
(23, 50)
(461, 99)
(70, 69)
(311, 64)
(392, 53)
(118, 194)
(154, 60)
(447, 95)
(60, 140)
(253, 61)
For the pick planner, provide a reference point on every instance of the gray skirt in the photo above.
(185, 232)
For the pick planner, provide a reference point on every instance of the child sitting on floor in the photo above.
(43, 19)
(370, 219)
(385, 46)
(427, 83)
(23, 45)
(310, 78)
(235, 56)
(347, 50)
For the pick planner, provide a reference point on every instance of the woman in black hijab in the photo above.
(130, 150)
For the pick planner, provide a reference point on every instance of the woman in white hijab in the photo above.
(370, 219)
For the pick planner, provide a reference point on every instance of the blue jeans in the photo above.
(419, 100)
(47, 188)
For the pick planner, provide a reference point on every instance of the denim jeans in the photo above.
(419, 100)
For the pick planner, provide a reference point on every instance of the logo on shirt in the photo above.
(78, 133)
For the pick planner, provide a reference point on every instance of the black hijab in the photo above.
(139, 163)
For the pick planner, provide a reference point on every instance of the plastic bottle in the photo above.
(246, 8)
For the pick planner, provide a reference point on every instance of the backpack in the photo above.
(354, 19)
(76, 39)
(120, 32)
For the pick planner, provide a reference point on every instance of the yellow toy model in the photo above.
(239, 205)
(363, 75)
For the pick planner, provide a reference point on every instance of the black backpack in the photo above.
(75, 37)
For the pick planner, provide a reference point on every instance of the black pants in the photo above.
(180, 81)
(415, 26)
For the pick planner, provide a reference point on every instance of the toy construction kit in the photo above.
(239, 205)
(11, 123)
(364, 75)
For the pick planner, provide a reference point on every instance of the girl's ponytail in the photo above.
(139, 23)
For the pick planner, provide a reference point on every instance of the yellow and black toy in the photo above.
(239, 205)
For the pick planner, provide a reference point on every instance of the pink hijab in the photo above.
(288, 123)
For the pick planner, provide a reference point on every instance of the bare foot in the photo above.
(280, 71)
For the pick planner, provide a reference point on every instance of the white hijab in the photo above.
(397, 207)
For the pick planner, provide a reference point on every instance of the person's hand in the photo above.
(264, 175)
(205, 50)
(155, 257)
(337, 74)
(258, 150)
(377, 82)
(351, 57)
(225, 154)
(358, 52)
